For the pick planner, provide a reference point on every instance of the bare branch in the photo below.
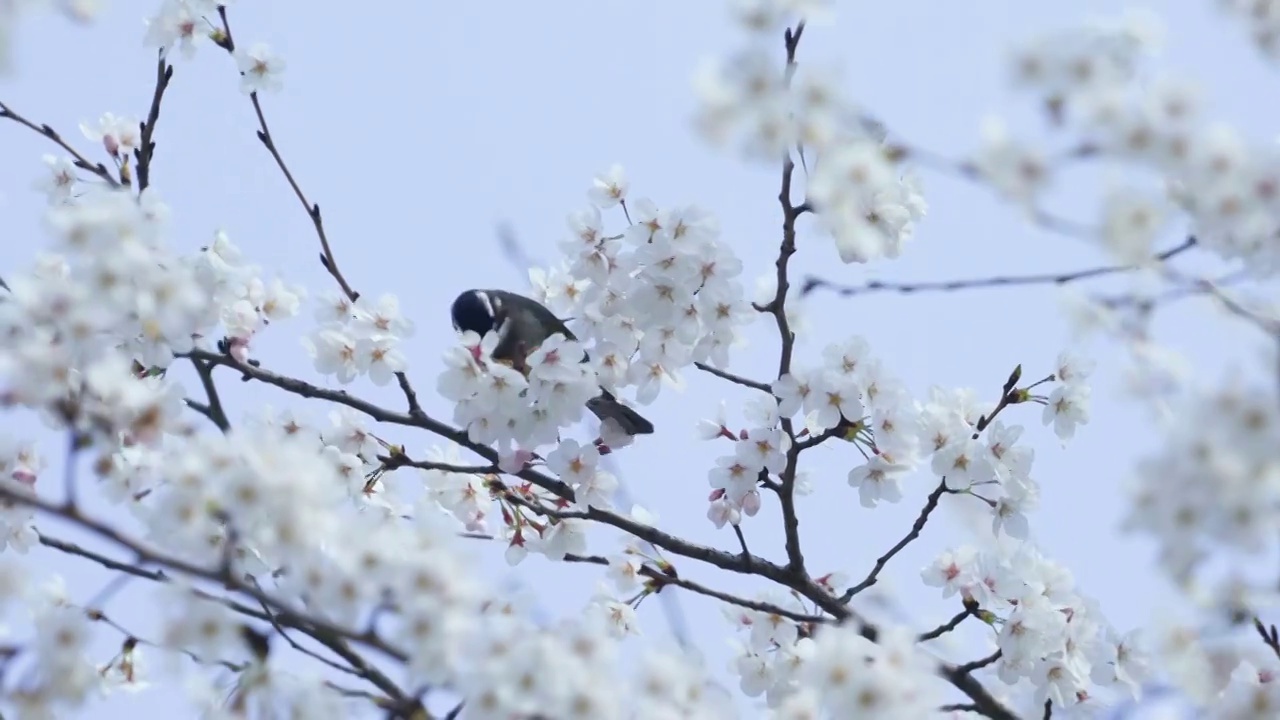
(662, 579)
(931, 504)
(213, 410)
(814, 283)
(97, 169)
(778, 308)
(970, 609)
(971, 667)
(147, 146)
(736, 379)
(318, 628)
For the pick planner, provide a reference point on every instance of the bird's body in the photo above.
(522, 324)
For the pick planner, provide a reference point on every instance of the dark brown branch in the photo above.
(328, 634)
(97, 169)
(392, 462)
(736, 379)
(719, 558)
(313, 209)
(952, 624)
(742, 543)
(1270, 637)
(305, 650)
(147, 146)
(1009, 395)
(662, 579)
(931, 503)
(971, 667)
(778, 308)
(814, 283)
(213, 410)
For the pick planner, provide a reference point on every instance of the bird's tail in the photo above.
(607, 407)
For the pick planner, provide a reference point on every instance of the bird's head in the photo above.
(473, 310)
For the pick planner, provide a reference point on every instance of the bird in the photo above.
(522, 324)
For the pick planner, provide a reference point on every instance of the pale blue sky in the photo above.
(420, 126)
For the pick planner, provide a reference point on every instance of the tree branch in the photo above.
(321, 630)
(931, 503)
(97, 169)
(814, 283)
(213, 410)
(147, 146)
(778, 308)
(736, 379)
(969, 610)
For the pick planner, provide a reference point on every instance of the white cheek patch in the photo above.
(487, 302)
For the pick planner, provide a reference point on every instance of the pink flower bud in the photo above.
(514, 462)
(239, 349)
(24, 476)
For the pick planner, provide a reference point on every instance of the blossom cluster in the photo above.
(358, 338)
(326, 528)
(184, 25)
(1216, 480)
(867, 204)
(642, 304)
(652, 299)
(272, 501)
(1048, 633)
(834, 671)
(1091, 79)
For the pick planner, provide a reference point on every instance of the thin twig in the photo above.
(327, 259)
(97, 169)
(662, 579)
(952, 624)
(742, 541)
(313, 209)
(213, 410)
(778, 308)
(969, 667)
(907, 288)
(931, 503)
(392, 462)
(1269, 636)
(316, 627)
(736, 379)
(298, 646)
(147, 146)
(1008, 396)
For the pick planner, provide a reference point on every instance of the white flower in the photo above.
(179, 23)
(624, 571)
(1016, 170)
(764, 449)
(260, 69)
(336, 353)
(609, 189)
(119, 135)
(59, 184)
(878, 479)
(567, 537)
(1068, 407)
(380, 358)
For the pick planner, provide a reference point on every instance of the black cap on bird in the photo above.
(522, 324)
